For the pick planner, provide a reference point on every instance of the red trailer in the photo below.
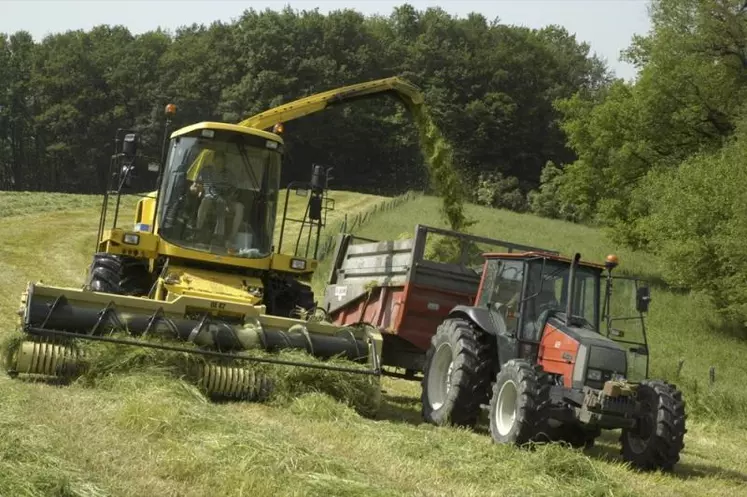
(407, 287)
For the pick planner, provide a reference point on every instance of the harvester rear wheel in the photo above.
(456, 376)
(119, 274)
(658, 438)
(520, 406)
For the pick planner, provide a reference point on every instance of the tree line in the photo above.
(490, 87)
(662, 162)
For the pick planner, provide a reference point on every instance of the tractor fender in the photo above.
(480, 317)
(493, 324)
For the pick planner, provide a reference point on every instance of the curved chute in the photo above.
(403, 89)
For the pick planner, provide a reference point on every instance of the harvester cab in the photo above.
(563, 344)
(212, 217)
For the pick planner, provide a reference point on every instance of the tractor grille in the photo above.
(609, 361)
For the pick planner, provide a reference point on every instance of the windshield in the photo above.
(219, 193)
(548, 291)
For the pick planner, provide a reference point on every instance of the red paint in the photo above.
(553, 345)
(404, 311)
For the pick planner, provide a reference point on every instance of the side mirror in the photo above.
(129, 146)
(315, 208)
(317, 178)
(642, 299)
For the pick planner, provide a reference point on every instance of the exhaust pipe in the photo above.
(571, 289)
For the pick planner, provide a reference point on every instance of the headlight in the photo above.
(594, 374)
(131, 239)
(298, 264)
(255, 291)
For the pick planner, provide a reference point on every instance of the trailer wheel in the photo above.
(520, 405)
(456, 376)
(658, 438)
(119, 274)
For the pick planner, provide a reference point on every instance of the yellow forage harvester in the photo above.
(197, 269)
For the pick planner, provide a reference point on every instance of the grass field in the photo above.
(144, 434)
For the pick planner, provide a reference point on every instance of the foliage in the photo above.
(495, 190)
(657, 158)
(488, 86)
(698, 223)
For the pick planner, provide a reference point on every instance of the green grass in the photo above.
(142, 433)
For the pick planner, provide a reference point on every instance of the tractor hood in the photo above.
(597, 358)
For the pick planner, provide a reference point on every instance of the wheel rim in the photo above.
(639, 438)
(505, 412)
(439, 376)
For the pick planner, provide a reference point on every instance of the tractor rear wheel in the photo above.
(520, 405)
(456, 376)
(119, 274)
(658, 438)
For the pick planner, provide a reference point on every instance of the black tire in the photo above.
(658, 438)
(520, 406)
(453, 391)
(285, 295)
(118, 274)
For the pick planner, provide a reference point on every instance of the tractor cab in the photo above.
(541, 298)
(220, 190)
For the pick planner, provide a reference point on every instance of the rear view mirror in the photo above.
(129, 145)
(317, 178)
(315, 208)
(642, 299)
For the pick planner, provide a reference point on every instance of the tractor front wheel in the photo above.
(456, 376)
(658, 437)
(520, 405)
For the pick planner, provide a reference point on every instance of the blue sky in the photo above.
(607, 25)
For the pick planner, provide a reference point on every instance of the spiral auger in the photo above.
(234, 383)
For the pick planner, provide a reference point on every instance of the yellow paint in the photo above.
(212, 285)
(320, 101)
(226, 127)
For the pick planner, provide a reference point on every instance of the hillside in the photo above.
(145, 434)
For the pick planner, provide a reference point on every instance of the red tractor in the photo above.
(533, 347)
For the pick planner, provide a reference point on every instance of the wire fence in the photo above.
(350, 224)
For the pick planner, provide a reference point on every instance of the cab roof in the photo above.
(227, 127)
(543, 255)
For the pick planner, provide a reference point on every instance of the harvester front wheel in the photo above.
(287, 297)
(520, 404)
(456, 376)
(658, 437)
(119, 274)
